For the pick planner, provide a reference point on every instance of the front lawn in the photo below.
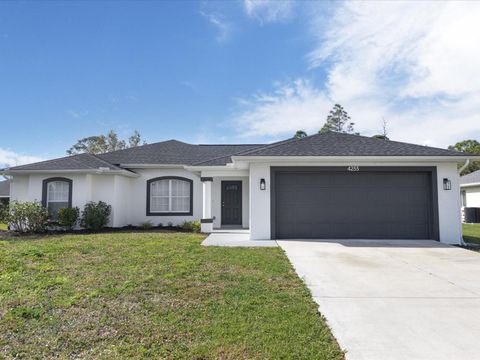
(471, 233)
(153, 295)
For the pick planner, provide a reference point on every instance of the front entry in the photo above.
(231, 203)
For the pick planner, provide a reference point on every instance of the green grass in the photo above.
(3, 226)
(471, 233)
(154, 295)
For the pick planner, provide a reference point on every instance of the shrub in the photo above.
(68, 217)
(26, 217)
(192, 226)
(145, 225)
(95, 216)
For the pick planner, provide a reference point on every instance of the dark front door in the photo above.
(231, 203)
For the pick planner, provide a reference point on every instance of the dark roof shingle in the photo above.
(471, 178)
(173, 152)
(339, 144)
(74, 162)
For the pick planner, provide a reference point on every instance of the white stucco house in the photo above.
(328, 185)
(470, 193)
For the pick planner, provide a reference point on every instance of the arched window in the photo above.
(169, 195)
(57, 194)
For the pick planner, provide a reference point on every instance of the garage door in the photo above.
(359, 204)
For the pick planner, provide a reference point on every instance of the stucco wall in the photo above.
(448, 201)
(473, 196)
(19, 188)
(217, 199)
(259, 202)
(127, 196)
(138, 197)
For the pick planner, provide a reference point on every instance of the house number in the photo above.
(353, 168)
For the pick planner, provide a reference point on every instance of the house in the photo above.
(330, 185)
(470, 193)
(4, 192)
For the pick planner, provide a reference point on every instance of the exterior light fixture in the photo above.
(263, 185)
(447, 184)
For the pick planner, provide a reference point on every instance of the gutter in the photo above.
(100, 170)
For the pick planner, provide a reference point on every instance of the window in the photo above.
(169, 196)
(464, 198)
(57, 194)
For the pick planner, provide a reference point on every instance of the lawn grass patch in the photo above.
(471, 233)
(3, 226)
(154, 295)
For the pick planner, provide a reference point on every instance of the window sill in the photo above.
(169, 213)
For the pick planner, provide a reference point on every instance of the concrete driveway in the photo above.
(394, 299)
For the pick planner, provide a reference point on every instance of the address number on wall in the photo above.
(353, 168)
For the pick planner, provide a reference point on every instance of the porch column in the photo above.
(207, 220)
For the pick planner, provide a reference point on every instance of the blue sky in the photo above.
(239, 71)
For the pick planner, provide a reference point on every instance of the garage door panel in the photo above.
(322, 204)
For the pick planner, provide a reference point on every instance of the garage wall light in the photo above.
(263, 185)
(447, 184)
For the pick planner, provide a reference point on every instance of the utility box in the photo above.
(472, 215)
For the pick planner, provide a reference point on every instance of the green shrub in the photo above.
(68, 217)
(95, 216)
(193, 226)
(26, 217)
(146, 225)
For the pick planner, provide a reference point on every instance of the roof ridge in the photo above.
(145, 145)
(278, 143)
(223, 156)
(228, 144)
(398, 142)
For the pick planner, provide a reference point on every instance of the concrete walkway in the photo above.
(389, 300)
(235, 238)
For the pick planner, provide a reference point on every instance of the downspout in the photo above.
(464, 166)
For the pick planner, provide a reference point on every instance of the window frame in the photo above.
(169, 213)
(463, 194)
(45, 190)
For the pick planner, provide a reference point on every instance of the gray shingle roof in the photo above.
(173, 152)
(339, 144)
(74, 162)
(4, 188)
(471, 178)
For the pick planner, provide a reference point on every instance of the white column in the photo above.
(207, 220)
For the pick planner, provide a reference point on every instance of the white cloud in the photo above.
(77, 114)
(223, 27)
(269, 11)
(10, 158)
(415, 63)
(297, 105)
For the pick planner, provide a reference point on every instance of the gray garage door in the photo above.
(349, 205)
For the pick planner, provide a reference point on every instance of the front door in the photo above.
(231, 203)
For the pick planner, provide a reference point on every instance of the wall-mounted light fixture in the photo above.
(263, 185)
(447, 184)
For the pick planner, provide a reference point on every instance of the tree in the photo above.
(470, 147)
(380, 137)
(384, 134)
(300, 134)
(338, 120)
(100, 144)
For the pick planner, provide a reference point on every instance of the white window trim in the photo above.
(170, 198)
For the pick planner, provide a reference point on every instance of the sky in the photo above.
(234, 72)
